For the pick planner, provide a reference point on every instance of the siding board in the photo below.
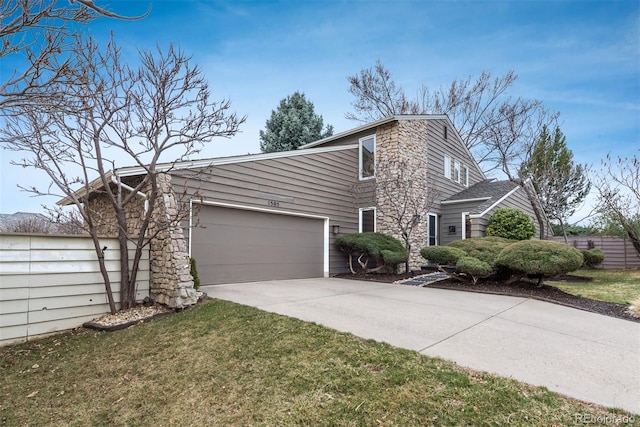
(51, 283)
(319, 184)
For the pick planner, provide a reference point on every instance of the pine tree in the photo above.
(293, 124)
(561, 184)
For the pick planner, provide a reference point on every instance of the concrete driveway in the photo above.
(584, 355)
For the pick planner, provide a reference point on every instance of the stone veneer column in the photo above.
(396, 143)
(171, 281)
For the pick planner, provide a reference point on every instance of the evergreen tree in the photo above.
(561, 184)
(293, 124)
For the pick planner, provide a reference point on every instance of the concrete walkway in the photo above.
(584, 355)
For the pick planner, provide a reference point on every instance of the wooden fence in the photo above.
(51, 283)
(619, 252)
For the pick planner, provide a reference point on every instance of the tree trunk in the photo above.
(536, 208)
(635, 240)
(104, 272)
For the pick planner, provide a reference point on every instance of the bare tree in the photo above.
(377, 95)
(512, 142)
(618, 186)
(38, 31)
(109, 112)
(31, 224)
(478, 108)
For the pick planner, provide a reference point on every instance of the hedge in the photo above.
(540, 258)
(593, 257)
(486, 249)
(385, 250)
(510, 223)
(474, 267)
(442, 255)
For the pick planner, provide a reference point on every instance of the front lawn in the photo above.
(222, 364)
(619, 286)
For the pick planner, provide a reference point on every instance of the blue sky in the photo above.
(581, 58)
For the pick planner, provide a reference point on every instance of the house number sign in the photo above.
(274, 203)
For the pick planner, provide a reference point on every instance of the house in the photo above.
(277, 215)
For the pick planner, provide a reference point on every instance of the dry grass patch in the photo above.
(619, 286)
(222, 364)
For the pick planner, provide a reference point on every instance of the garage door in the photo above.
(236, 245)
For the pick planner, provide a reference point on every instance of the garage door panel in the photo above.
(237, 245)
(258, 254)
(262, 236)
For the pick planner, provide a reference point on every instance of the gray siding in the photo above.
(350, 139)
(315, 184)
(452, 216)
(439, 147)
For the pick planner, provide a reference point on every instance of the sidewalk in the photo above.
(584, 355)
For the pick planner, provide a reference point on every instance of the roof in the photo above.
(487, 193)
(376, 124)
(96, 184)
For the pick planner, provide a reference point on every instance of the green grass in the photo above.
(619, 286)
(223, 364)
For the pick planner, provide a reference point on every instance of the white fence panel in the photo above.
(51, 283)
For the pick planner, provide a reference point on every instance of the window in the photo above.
(368, 157)
(432, 230)
(456, 171)
(465, 176)
(367, 221)
(447, 167)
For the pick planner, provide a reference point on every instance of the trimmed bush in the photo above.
(194, 273)
(510, 223)
(540, 258)
(593, 257)
(442, 255)
(474, 267)
(486, 249)
(385, 250)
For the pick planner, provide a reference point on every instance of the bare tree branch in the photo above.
(618, 186)
(107, 111)
(37, 31)
(480, 109)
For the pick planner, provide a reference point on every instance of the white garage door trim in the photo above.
(266, 210)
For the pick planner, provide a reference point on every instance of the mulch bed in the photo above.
(519, 289)
(139, 314)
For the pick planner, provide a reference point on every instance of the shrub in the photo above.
(540, 258)
(385, 250)
(194, 273)
(474, 267)
(593, 257)
(486, 249)
(442, 255)
(510, 223)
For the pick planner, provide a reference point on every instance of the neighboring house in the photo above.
(277, 215)
(25, 222)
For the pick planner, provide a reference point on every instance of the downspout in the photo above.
(116, 180)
